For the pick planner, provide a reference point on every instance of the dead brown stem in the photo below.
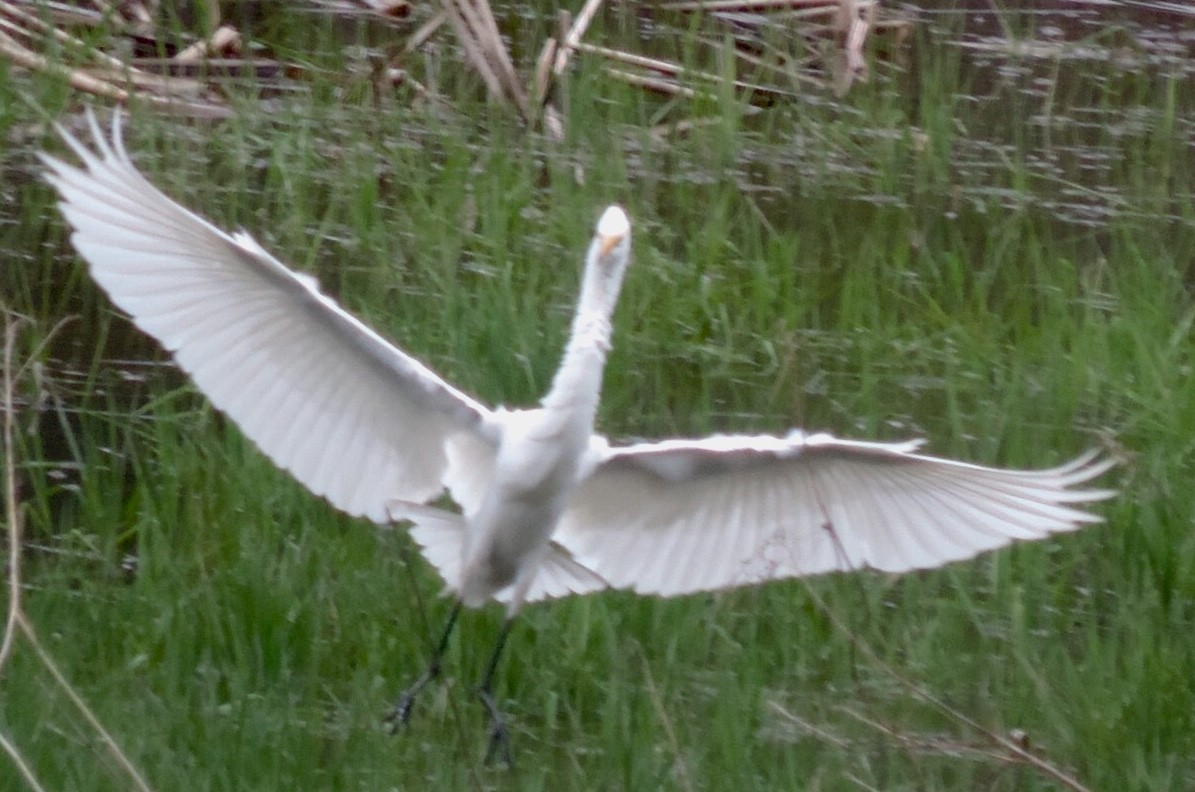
(475, 27)
(828, 7)
(31, 60)
(225, 38)
(570, 42)
(1039, 764)
(17, 621)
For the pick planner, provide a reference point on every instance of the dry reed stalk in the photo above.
(657, 84)
(112, 78)
(1011, 746)
(225, 39)
(17, 622)
(12, 327)
(542, 80)
(940, 746)
(631, 59)
(580, 25)
(425, 32)
(35, 28)
(676, 70)
(842, 743)
(811, 7)
(855, 20)
(477, 30)
(11, 331)
(794, 72)
(31, 60)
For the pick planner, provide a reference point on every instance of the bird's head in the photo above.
(613, 232)
(606, 262)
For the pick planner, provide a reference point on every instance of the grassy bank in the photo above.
(925, 258)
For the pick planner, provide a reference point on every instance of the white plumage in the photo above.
(377, 433)
(549, 508)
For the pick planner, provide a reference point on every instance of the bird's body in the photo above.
(539, 452)
(548, 507)
(534, 473)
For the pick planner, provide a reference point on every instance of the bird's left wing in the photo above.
(681, 516)
(351, 416)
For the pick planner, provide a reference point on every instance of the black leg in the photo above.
(398, 717)
(499, 738)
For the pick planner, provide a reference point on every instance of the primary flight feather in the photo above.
(548, 507)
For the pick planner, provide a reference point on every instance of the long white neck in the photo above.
(577, 386)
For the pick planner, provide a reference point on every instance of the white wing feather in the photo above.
(369, 427)
(682, 516)
(353, 418)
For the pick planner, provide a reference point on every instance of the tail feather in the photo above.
(441, 536)
(560, 575)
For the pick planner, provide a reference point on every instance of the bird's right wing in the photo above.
(690, 515)
(352, 417)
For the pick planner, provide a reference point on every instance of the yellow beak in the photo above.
(608, 243)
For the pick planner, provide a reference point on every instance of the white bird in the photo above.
(548, 507)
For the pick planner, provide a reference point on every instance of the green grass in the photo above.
(902, 267)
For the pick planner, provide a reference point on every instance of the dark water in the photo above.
(1071, 109)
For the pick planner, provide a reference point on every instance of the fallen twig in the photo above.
(1011, 746)
(816, 731)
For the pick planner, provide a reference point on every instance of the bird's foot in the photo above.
(398, 715)
(499, 737)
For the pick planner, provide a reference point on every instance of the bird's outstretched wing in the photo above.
(681, 516)
(353, 418)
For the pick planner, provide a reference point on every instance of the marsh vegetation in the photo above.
(988, 243)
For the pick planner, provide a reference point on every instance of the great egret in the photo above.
(548, 508)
